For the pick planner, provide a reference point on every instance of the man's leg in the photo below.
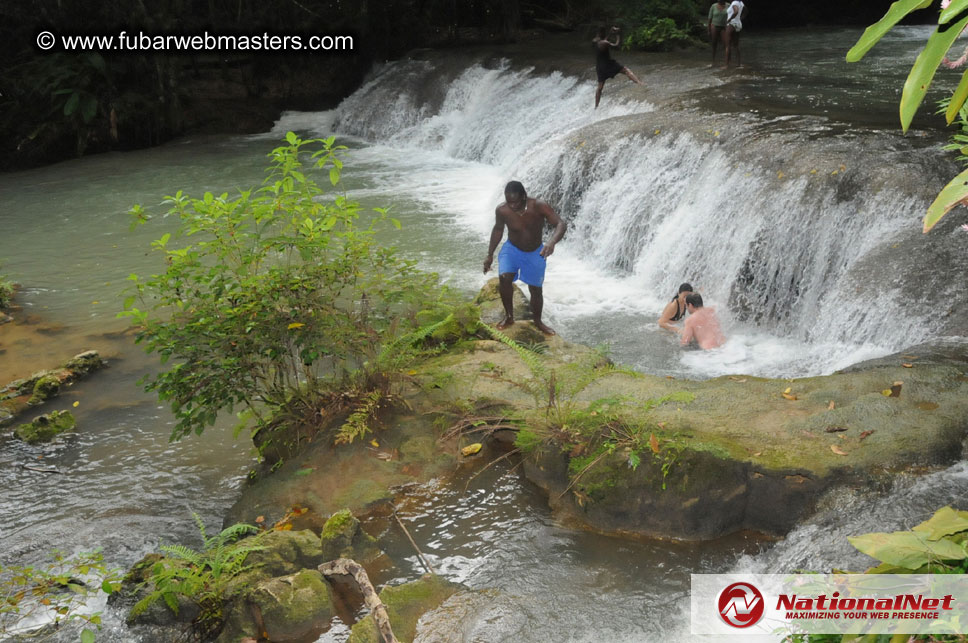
(728, 40)
(632, 77)
(537, 305)
(506, 288)
(598, 93)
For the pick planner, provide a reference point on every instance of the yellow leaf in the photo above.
(886, 392)
(657, 131)
(411, 372)
(374, 443)
(836, 449)
(830, 405)
(76, 404)
(834, 173)
(471, 449)
(813, 171)
(779, 175)
(789, 397)
(653, 443)
(716, 133)
(95, 302)
(295, 325)
(788, 389)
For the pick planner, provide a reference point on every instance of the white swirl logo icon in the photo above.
(45, 40)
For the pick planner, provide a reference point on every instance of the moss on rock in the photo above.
(46, 427)
(291, 608)
(405, 605)
(343, 537)
(45, 388)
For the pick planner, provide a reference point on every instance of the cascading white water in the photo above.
(775, 221)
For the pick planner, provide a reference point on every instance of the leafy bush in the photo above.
(658, 34)
(280, 300)
(57, 591)
(201, 577)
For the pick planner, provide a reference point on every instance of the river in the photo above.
(784, 191)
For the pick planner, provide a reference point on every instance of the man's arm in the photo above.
(688, 331)
(497, 233)
(560, 226)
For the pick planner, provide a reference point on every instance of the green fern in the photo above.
(358, 423)
(200, 577)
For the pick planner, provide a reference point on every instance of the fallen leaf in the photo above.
(260, 519)
(841, 436)
(813, 171)
(669, 377)
(76, 404)
(779, 175)
(830, 405)
(411, 372)
(836, 449)
(95, 302)
(654, 443)
(789, 397)
(757, 454)
(657, 131)
(471, 449)
(835, 429)
(295, 325)
(716, 133)
(843, 168)
(788, 389)
(661, 425)
(864, 434)
(374, 443)
(886, 392)
(906, 365)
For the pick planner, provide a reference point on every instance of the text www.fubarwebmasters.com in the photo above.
(140, 41)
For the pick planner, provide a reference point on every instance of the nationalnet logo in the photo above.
(741, 605)
(765, 606)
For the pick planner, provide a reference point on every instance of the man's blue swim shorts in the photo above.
(529, 267)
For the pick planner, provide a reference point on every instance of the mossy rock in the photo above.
(84, 363)
(405, 605)
(295, 607)
(45, 388)
(46, 427)
(285, 552)
(343, 537)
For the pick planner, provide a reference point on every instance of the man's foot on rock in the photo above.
(547, 330)
(508, 321)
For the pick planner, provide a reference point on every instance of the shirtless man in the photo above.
(523, 256)
(702, 325)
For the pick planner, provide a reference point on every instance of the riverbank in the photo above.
(627, 453)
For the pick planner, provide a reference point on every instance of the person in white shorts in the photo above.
(734, 25)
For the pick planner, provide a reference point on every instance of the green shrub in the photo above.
(59, 589)
(278, 299)
(658, 34)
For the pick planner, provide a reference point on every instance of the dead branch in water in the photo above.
(349, 567)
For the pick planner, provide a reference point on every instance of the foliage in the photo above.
(276, 297)
(200, 577)
(658, 34)
(6, 292)
(919, 79)
(936, 546)
(54, 592)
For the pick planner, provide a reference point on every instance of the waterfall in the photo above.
(794, 226)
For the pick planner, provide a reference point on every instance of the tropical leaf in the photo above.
(952, 10)
(919, 79)
(907, 549)
(953, 194)
(877, 30)
(944, 522)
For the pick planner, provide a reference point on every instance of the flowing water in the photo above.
(783, 191)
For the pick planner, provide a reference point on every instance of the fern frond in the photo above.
(357, 424)
(533, 362)
(236, 531)
(182, 552)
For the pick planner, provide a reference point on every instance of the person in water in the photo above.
(734, 25)
(605, 66)
(717, 25)
(675, 310)
(702, 326)
(523, 256)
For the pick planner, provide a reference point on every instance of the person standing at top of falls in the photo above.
(717, 25)
(605, 66)
(675, 310)
(734, 25)
(702, 326)
(523, 256)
